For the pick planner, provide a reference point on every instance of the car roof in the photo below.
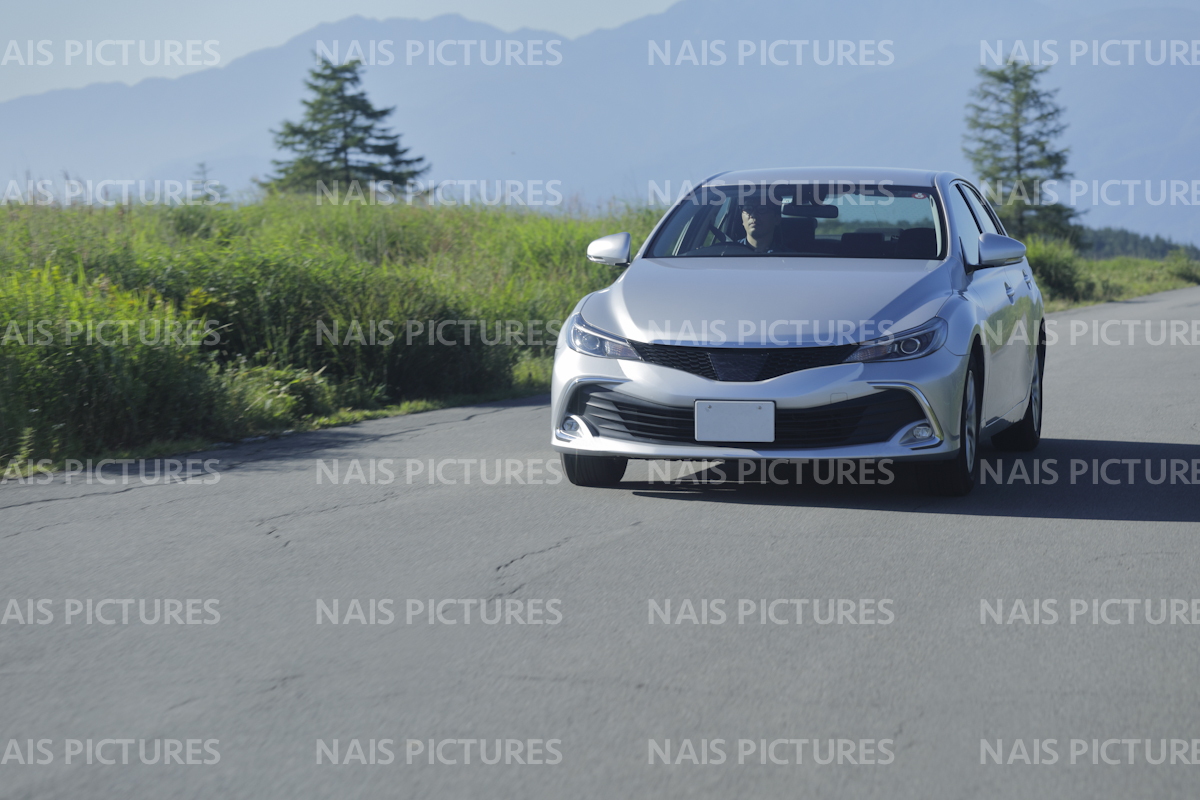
(899, 177)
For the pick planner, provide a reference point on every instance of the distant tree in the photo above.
(1108, 242)
(340, 137)
(1011, 131)
(206, 190)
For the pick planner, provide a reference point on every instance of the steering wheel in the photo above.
(725, 238)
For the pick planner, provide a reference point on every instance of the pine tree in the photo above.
(207, 190)
(340, 137)
(1012, 128)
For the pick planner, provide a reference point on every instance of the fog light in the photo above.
(922, 432)
(570, 425)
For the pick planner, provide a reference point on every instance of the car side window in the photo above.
(981, 213)
(968, 228)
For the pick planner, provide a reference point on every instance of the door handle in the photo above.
(1028, 280)
(1010, 291)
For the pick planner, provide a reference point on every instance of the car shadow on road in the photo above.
(1062, 479)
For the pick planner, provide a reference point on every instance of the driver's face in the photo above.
(759, 221)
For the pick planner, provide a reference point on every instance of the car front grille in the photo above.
(741, 363)
(863, 420)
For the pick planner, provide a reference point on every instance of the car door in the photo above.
(1019, 331)
(986, 286)
(1020, 288)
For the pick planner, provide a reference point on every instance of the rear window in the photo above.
(806, 219)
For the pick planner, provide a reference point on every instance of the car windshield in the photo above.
(838, 219)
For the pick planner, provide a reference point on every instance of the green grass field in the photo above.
(1069, 280)
(269, 275)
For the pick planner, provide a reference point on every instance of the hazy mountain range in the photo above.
(605, 122)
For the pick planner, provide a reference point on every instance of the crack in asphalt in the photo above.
(1125, 555)
(75, 497)
(534, 553)
(35, 530)
(509, 593)
(510, 562)
(554, 546)
(94, 494)
(325, 510)
(280, 683)
(900, 730)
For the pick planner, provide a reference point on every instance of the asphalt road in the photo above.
(267, 541)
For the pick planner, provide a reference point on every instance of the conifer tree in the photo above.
(341, 137)
(1011, 132)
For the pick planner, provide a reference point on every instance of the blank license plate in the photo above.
(735, 421)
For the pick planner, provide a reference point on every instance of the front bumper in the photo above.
(935, 382)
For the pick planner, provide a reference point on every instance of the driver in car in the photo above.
(761, 220)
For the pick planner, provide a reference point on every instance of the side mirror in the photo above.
(996, 250)
(613, 250)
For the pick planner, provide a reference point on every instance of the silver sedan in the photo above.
(807, 315)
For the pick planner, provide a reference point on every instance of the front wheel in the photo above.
(956, 477)
(594, 470)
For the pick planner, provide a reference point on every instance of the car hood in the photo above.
(768, 301)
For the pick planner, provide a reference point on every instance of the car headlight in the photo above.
(912, 343)
(583, 338)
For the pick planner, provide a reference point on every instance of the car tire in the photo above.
(1025, 435)
(956, 476)
(594, 470)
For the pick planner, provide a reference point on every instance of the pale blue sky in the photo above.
(242, 26)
